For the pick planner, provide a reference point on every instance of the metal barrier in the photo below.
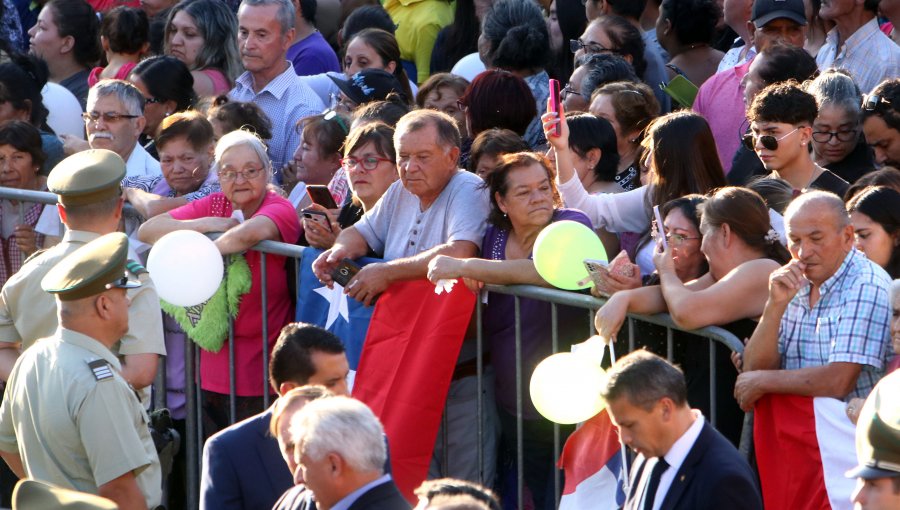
(194, 444)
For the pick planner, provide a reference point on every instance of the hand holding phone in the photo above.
(321, 195)
(318, 217)
(660, 228)
(345, 271)
(554, 104)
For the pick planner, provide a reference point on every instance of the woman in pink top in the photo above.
(203, 35)
(244, 173)
(124, 35)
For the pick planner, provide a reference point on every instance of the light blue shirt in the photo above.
(351, 498)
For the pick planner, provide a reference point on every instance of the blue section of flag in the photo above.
(332, 309)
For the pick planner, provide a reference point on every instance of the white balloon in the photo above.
(186, 267)
(565, 388)
(469, 66)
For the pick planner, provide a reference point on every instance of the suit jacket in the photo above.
(243, 468)
(713, 476)
(381, 497)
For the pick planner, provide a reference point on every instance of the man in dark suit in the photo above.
(339, 445)
(243, 466)
(682, 462)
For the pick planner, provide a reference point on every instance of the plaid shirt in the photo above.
(868, 55)
(849, 323)
(12, 255)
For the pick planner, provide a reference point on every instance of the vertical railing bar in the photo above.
(670, 344)
(232, 383)
(520, 446)
(712, 382)
(193, 429)
(265, 329)
(630, 334)
(479, 390)
(554, 348)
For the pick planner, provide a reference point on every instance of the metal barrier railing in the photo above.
(194, 444)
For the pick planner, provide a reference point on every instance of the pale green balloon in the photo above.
(560, 250)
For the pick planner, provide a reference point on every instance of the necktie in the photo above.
(658, 469)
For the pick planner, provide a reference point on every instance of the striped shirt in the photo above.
(868, 55)
(849, 323)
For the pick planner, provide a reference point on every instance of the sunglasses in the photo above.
(768, 141)
(871, 102)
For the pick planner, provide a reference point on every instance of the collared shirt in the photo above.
(676, 455)
(351, 498)
(849, 323)
(286, 99)
(737, 55)
(140, 162)
(868, 55)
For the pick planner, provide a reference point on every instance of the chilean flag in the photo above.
(592, 460)
(407, 363)
(804, 445)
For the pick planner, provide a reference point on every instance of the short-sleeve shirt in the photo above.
(849, 323)
(74, 420)
(313, 55)
(868, 55)
(248, 353)
(721, 102)
(397, 227)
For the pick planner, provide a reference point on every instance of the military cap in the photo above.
(35, 495)
(878, 432)
(87, 177)
(95, 267)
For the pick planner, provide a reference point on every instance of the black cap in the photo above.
(369, 85)
(765, 11)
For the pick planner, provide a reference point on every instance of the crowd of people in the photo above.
(423, 134)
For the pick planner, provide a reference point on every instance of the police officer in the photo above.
(90, 204)
(68, 416)
(35, 495)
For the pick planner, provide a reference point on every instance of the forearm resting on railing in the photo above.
(502, 272)
(835, 380)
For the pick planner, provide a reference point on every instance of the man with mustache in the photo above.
(114, 120)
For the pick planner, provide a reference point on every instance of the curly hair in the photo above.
(783, 102)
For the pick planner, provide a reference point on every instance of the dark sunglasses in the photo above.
(768, 141)
(871, 102)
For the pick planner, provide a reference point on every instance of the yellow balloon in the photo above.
(560, 250)
(565, 388)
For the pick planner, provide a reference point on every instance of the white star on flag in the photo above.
(337, 303)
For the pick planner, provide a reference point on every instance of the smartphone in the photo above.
(660, 227)
(597, 269)
(554, 104)
(320, 195)
(317, 216)
(682, 90)
(346, 270)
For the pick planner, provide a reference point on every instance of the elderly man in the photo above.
(340, 453)
(114, 120)
(90, 204)
(68, 417)
(682, 463)
(825, 328)
(857, 44)
(265, 32)
(242, 466)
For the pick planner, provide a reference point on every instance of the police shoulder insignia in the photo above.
(101, 369)
(135, 267)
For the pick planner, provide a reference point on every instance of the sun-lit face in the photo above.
(884, 141)
(184, 166)
(840, 130)
(185, 39)
(816, 239)
(359, 55)
(243, 177)
(370, 185)
(17, 170)
(872, 239)
(262, 44)
(444, 99)
(877, 494)
(529, 197)
(44, 38)
(120, 135)
(640, 429)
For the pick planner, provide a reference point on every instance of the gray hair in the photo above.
(814, 198)
(344, 426)
(124, 91)
(834, 87)
(240, 137)
(604, 68)
(447, 132)
(218, 24)
(287, 16)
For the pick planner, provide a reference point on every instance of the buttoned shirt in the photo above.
(74, 421)
(849, 323)
(140, 162)
(868, 55)
(286, 99)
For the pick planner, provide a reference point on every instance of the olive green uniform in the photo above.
(73, 419)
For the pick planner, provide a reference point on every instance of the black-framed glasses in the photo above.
(247, 174)
(330, 114)
(871, 102)
(676, 239)
(368, 163)
(568, 91)
(768, 141)
(826, 136)
(152, 100)
(107, 116)
(590, 48)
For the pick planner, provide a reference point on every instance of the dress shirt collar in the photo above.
(680, 449)
(277, 86)
(351, 498)
(855, 40)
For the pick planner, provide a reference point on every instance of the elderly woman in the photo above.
(837, 140)
(248, 212)
(369, 161)
(524, 201)
(185, 144)
(20, 160)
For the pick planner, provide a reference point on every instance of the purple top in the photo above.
(313, 55)
(500, 325)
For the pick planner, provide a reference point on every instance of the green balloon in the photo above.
(560, 250)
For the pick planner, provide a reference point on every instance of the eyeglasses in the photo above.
(330, 114)
(826, 136)
(247, 174)
(568, 91)
(678, 239)
(461, 105)
(871, 102)
(767, 141)
(368, 164)
(107, 116)
(152, 100)
(589, 48)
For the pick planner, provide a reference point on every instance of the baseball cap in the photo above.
(369, 85)
(765, 11)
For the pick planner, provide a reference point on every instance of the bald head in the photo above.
(819, 202)
(819, 234)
